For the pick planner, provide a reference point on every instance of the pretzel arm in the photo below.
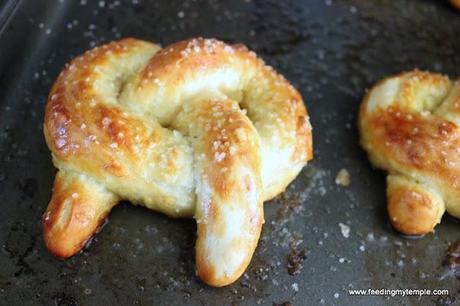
(77, 209)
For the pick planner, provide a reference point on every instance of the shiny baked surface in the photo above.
(409, 125)
(199, 128)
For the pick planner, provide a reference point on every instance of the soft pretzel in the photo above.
(199, 128)
(409, 125)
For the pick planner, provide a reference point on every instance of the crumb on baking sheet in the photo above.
(343, 177)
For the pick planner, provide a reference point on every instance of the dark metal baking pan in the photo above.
(331, 50)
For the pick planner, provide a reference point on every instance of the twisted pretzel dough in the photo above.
(409, 126)
(455, 3)
(163, 128)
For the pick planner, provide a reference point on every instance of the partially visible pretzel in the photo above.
(455, 3)
(199, 128)
(410, 126)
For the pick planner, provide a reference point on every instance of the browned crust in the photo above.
(402, 137)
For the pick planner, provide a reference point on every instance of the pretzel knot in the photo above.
(410, 127)
(199, 128)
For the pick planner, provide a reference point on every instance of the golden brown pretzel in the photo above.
(409, 125)
(455, 3)
(199, 128)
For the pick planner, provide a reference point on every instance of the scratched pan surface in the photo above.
(332, 51)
